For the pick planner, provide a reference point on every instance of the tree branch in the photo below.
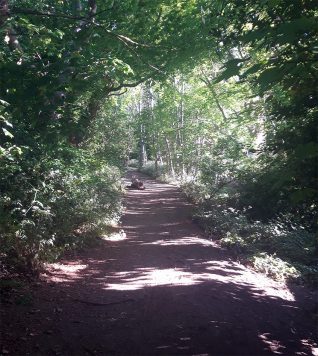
(17, 10)
(210, 86)
(127, 85)
(124, 39)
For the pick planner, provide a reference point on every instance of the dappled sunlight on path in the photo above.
(157, 286)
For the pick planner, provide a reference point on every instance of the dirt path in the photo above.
(158, 288)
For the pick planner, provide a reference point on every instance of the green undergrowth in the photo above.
(280, 248)
(159, 173)
(57, 207)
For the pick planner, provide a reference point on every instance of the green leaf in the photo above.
(258, 34)
(232, 69)
(270, 76)
(7, 133)
(255, 68)
(4, 103)
(6, 121)
(296, 26)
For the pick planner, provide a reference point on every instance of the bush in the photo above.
(280, 248)
(133, 163)
(195, 191)
(46, 209)
(274, 267)
(150, 169)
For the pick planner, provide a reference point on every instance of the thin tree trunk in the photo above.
(183, 171)
(215, 97)
(170, 161)
(142, 145)
(142, 151)
(154, 138)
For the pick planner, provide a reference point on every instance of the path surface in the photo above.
(158, 288)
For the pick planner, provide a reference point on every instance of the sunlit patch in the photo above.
(119, 236)
(164, 233)
(133, 227)
(100, 262)
(65, 272)
(151, 278)
(265, 286)
(274, 345)
(139, 212)
(171, 224)
(311, 345)
(244, 276)
(194, 240)
(69, 268)
(259, 285)
(220, 266)
(147, 277)
(314, 351)
(163, 347)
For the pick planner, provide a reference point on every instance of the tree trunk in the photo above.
(142, 149)
(218, 104)
(170, 160)
(183, 171)
(142, 159)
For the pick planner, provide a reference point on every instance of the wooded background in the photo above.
(219, 96)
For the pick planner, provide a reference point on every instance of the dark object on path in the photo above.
(137, 184)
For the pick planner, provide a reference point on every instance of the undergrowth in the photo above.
(160, 173)
(65, 207)
(280, 248)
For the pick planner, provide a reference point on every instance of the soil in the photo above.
(158, 286)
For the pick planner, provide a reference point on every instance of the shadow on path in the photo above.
(160, 288)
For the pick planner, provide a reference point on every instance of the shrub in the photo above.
(195, 191)
(150, 169)
(44, 209)
(279, 248)
(133, 163)
(274, 267)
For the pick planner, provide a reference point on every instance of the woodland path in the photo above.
(158, 288)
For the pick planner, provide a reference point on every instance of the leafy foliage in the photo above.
(271, 45)
(221, 96)
(239, 130)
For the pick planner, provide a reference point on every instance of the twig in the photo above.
(33, 201)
